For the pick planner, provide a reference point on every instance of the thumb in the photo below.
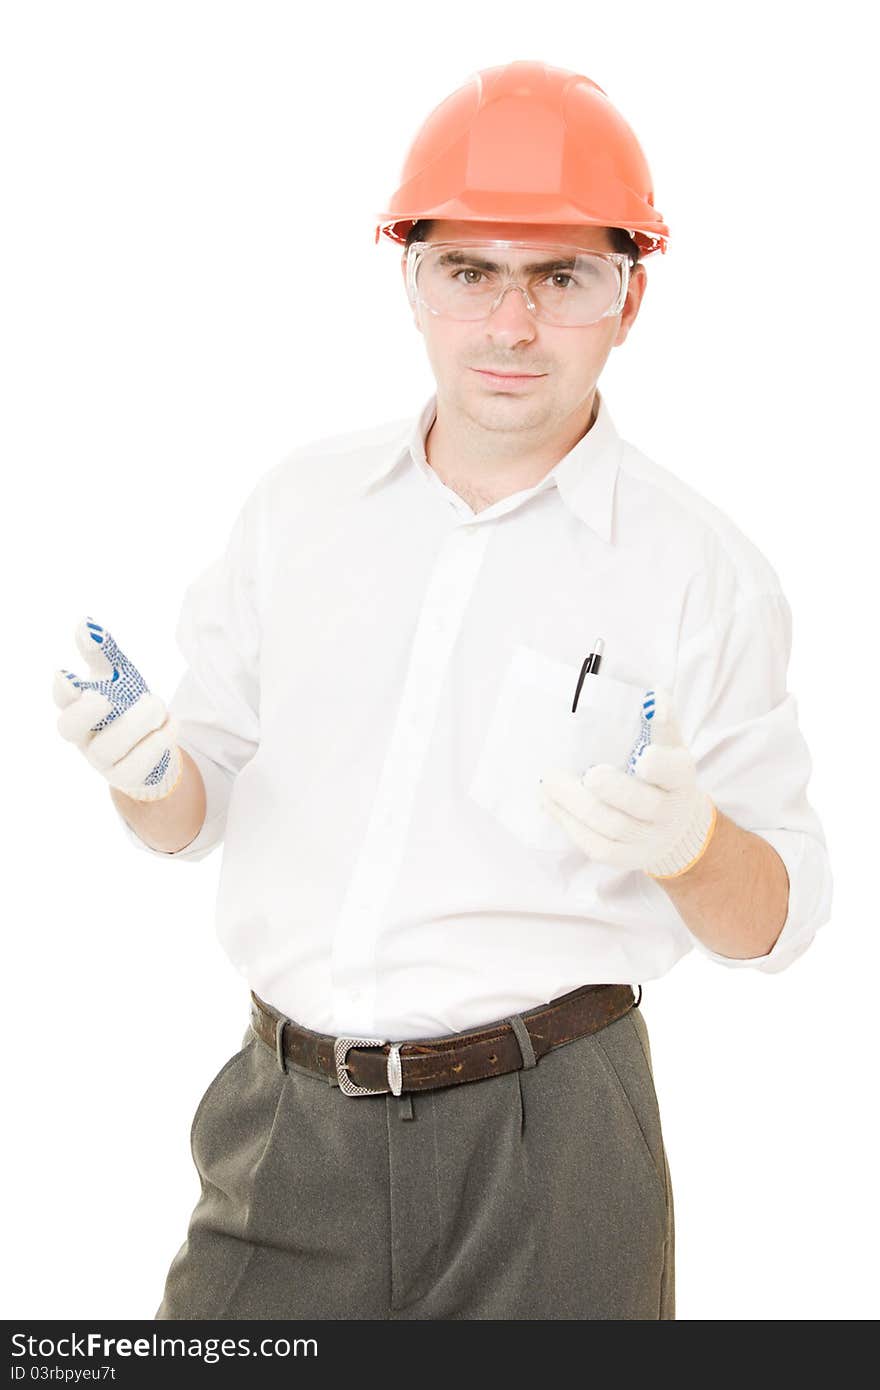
(65, 688)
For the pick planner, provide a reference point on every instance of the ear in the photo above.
(413, 307)
(638, 283)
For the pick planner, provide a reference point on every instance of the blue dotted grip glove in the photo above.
(643, 738)
(652, 814)
(124, 730)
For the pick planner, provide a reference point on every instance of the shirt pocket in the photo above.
(532, 729)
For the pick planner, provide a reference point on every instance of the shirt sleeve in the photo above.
(217, 700)
(741, 724)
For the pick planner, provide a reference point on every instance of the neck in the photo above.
(483, 466)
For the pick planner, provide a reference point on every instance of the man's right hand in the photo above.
(124, 730)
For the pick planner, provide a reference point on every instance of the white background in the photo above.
(191, 289)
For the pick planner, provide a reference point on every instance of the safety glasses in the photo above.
(562, 284)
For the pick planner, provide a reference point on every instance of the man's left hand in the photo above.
(656, 819)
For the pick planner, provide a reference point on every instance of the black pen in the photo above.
(589, 668)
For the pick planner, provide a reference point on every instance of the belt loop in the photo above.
(279, 1044)
(524, 1039)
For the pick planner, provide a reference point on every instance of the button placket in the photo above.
(375, 872)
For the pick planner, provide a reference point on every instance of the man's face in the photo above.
(568, 360)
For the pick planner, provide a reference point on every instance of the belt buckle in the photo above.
(347, 1086)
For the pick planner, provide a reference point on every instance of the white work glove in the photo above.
(652, 817)
(124, 730)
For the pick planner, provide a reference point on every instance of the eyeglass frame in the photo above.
(416, 249)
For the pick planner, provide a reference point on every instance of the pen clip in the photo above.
(595, 656)
(588, 661)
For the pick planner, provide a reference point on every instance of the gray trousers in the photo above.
(541, 1194)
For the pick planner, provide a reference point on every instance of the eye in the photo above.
(468, 270)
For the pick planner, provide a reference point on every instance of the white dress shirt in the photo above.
(376, 675)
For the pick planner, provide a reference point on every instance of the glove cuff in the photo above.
(692, 846)
(158, 791)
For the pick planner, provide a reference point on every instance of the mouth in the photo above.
(513, 377)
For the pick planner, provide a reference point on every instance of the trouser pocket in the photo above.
(213, 1086)
(624, 1052)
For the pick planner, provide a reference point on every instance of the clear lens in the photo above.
(564, 285)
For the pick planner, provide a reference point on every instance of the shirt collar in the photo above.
(585, 477)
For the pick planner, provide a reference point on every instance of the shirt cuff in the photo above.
(809, 902)
(218, 786)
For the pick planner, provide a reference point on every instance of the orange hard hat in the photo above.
(527, 143)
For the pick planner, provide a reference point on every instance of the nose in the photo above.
(511, 319)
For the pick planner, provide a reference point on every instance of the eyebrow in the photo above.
(463, 258)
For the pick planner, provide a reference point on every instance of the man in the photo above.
(449, 843)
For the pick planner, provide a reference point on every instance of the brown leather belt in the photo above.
(375, 1066)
